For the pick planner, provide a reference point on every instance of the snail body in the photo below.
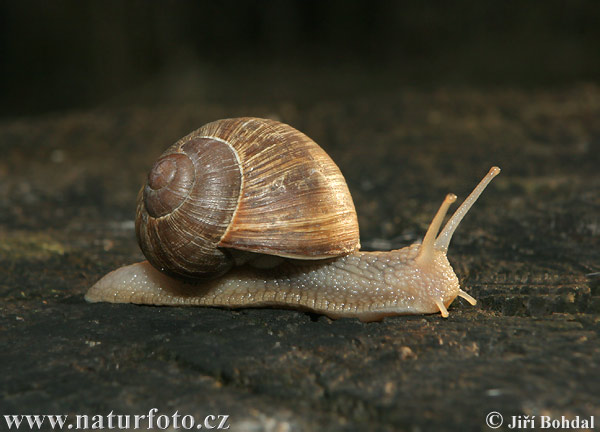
(286, 235)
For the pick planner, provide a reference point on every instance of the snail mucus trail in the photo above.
(321, 270)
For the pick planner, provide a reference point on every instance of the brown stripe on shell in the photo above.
(294, 199)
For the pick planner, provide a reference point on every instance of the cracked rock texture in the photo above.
(529, 251)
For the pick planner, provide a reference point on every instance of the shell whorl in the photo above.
(169, 184)
(187, 205)
(248, 184)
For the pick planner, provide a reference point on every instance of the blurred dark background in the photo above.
(58, 55)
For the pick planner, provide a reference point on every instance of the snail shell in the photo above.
(243, 184)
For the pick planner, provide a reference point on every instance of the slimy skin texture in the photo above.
(365, 285)
(417, 279)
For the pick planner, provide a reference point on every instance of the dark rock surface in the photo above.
(529, 251)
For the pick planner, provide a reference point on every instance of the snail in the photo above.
(249, 212)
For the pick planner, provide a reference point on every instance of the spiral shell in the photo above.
(244, 184)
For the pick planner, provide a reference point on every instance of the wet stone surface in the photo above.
(529, 251)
